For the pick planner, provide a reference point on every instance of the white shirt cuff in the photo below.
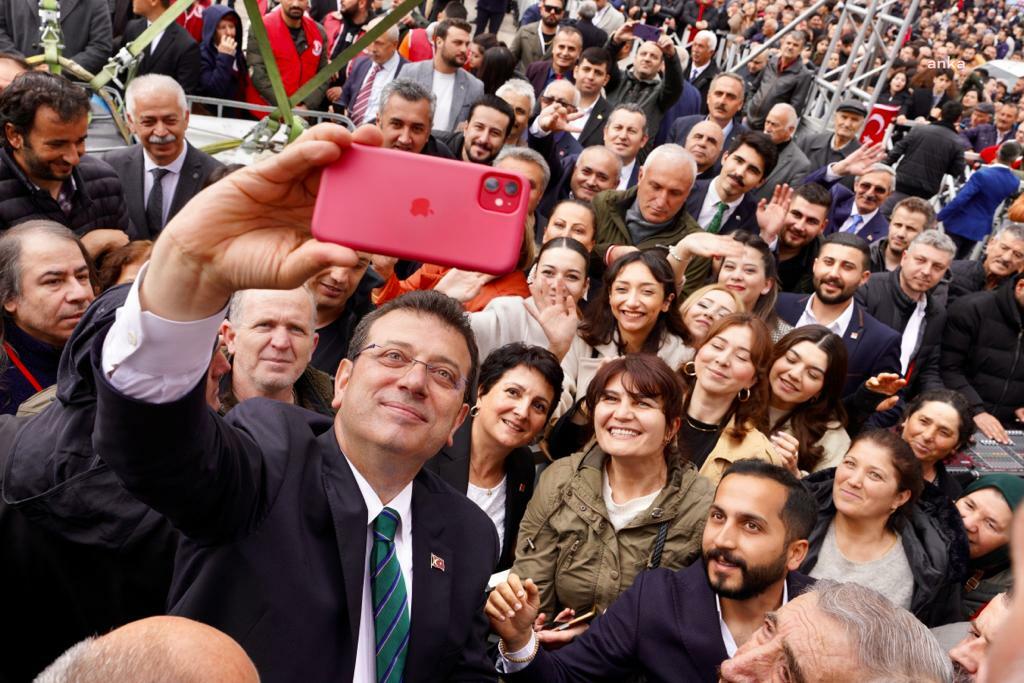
(538, 132)
(506, 667)
(153, 359)
(831, 177)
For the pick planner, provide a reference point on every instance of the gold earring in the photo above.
(690, 369)
(743, 397)
(474, 411)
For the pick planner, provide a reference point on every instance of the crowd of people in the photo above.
(700, 432)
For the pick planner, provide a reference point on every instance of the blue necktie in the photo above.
(855, 224)
(390, 601)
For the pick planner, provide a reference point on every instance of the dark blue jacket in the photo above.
(664, 626)
(972, 211)
(842, 206)
(872, 347)
(744, 217)
(354, 82)
(221, 75)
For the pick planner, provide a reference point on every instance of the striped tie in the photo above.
(390, 603)
(363, 98)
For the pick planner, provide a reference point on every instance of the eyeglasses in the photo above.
(553, 9)
(395, 359)
(547, 101)
(873, 189)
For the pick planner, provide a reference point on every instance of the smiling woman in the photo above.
(627, 503)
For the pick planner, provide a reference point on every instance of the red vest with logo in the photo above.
(295, 68)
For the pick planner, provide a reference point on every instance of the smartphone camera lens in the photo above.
(491, 184)
(511, 188)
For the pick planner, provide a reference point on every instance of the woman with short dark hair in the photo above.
(489, 457)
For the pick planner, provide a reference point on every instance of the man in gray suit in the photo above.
(162, 173)
(85, 30)
(780, 124)
(455, 88)
(824, 148)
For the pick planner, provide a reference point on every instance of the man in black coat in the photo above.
(282, 508)
(680, 625)
(174, 52)
(926, 154)
(44, 171)
(983, 357)
(158, 115)
(1004, 258)
(905, 300)
(703, 69)
(840, 268)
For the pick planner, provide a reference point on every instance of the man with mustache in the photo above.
(163, 172)
(1004, 258)
(726, 204)
(724, 101)
(839, 269)
(45, 286)
(679, 625)
(858, 211)
(44, 170)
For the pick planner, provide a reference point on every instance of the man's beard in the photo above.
(842, 297)
(37, 168)
(755, 581)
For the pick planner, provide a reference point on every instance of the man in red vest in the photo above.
(299, 46)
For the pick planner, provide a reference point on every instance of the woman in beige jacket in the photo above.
(628, 503)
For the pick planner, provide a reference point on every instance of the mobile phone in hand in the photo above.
(646, 32)
(423, 208)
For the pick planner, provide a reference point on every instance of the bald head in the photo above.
(597, 169)
(781, 122)
(704, 142)
(155, 650)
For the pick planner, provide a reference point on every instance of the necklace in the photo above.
(699, 425)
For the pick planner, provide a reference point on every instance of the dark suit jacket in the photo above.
(920, 104)
(593, 129)
(537, 75)
(354, 82)
(130, 167)
(682, 126)
(842, 206)
(664, 626)
(275, 554)
(872, 347)
(703, 82)
(452, 465)
(744, 217)
(176, 55)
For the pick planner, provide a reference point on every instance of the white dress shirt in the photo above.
(169, 182)
(627, 173)
(710, 206)
(156, 360)
(386, 74)
(910, 335)
(837, 326)
(696, 71)
(727, 639)
(576, 127)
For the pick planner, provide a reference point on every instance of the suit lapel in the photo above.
(189, 181)
(136, 198)
(431, 581)
(458, 97)
(348, 511)
(595, 121)
(66, 7)
(701, 631)
(166, 39)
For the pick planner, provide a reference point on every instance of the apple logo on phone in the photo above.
(421, 207)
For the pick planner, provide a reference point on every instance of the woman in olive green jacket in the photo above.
(629, 502)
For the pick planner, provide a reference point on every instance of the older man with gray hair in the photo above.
(792, 164)
(404, 118)
(859, 211)
(269, 336)
(840, 633)
(163, 172)
(360, 96)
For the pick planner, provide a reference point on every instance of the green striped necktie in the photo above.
(390, 601)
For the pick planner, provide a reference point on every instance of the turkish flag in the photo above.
(878, 123)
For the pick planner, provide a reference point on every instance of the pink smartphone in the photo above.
(423, 208)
